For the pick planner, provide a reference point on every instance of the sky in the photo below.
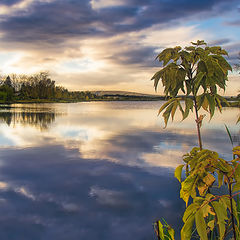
(110, 44)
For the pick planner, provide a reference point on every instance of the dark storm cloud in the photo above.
(218, 42)
(9, 2)
(140, 55)
(157, 11)
(234, 51)
(55, 21)
(51, 22)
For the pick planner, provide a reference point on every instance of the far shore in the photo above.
(234, 102)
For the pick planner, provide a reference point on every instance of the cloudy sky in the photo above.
(110, 44)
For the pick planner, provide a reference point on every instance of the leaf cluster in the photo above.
(164, 231)
(208, 213)
(208, 102)
(193, 67)
(197, 72)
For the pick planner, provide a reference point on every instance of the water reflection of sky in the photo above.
(97, 171)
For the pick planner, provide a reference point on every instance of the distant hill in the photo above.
(133, 96)
(123, 93)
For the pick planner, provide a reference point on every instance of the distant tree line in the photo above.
(37, 87)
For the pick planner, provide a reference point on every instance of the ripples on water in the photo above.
(97, 170)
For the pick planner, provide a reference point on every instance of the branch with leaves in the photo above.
(212, 216)
(192, 76)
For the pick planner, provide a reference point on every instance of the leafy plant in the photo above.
(213, 216)
(211, 213)
(196, 72)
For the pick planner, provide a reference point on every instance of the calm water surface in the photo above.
(97, 170)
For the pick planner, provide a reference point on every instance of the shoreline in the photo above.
(36, 101)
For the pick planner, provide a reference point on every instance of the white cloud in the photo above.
(25, 192)
(3, 185)
(162, 36)
(18, 7)
(107, 196)
(169, 159)
(98, 4)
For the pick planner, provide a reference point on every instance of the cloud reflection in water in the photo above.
(99, 171)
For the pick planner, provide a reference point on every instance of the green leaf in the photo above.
(174, 108)
(219, 105)
(181, 74)
(223, 63)
(188, 188)
(223, 166)
(167, 113)
(202, 189)
(186, 231)
(168, 231)
(205, 103)
(171, 232)
(207, 209)
(199, 42)
(160, 230)
(167, 54)
(178, 172)
(215, 49)
(210, 66)
(223, 100)
(185, 56)
(198, 80)
(189, 87)
(191, 210)
(209, 179)
(180, 107)
(188, 106)
(165, 105)
(199, 100)
(201, 225)
(211, 103)
(225, 202)
(221, 214)
(235, 212)
(236, 187)
(238, 206)
(211, 224)
(156, 77)
(190, 48)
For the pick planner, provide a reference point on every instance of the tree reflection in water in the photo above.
(38, 118)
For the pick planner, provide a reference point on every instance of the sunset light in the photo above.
(75, 39)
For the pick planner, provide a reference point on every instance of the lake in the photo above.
(96, 170)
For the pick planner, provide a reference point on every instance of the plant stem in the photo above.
(195, 107)
(198, 123)
(232, 216)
